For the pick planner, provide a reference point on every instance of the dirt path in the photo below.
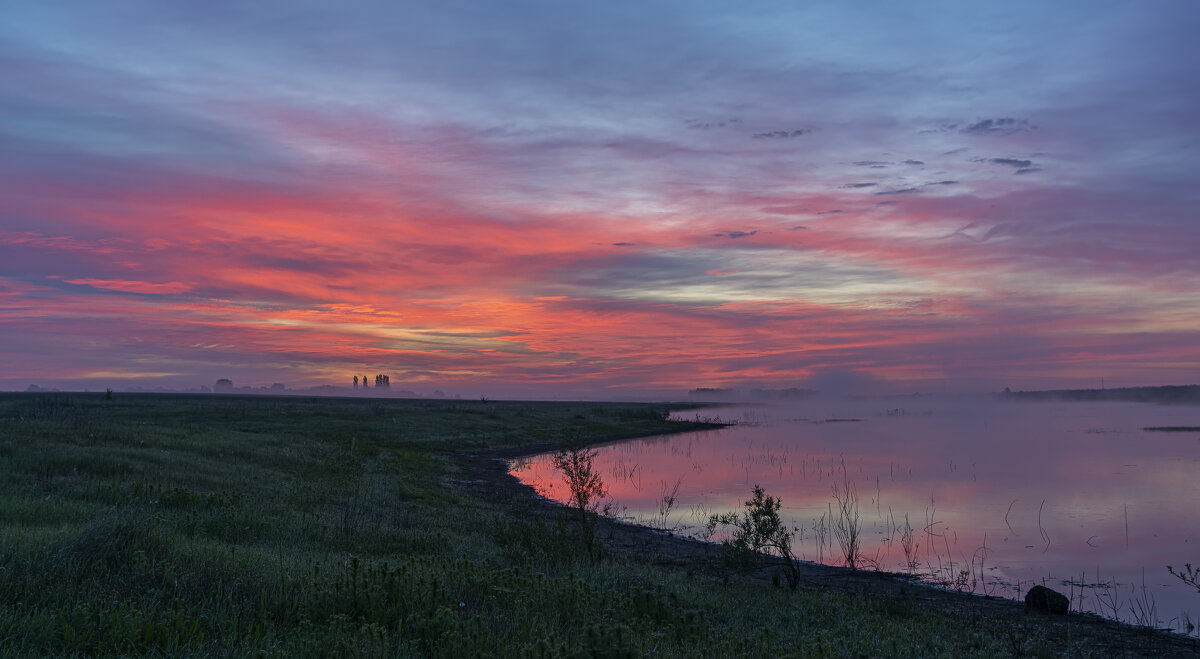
(486, 476)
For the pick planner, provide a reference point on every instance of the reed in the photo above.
(668, 495)
(845, 521)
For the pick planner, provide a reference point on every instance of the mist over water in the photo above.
(999, 495)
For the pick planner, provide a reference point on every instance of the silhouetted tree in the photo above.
(586, 489)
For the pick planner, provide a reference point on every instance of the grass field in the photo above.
(224, 525)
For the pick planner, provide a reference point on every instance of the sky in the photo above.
(567, 199)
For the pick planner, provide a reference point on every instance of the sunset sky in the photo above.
(600, 199)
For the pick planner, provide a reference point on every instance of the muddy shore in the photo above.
(485, 475)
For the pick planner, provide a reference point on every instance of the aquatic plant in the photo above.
(1188, 575)
(846, 524)
(910, 545)
(666, 503)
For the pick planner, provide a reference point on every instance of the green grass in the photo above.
(187, 525)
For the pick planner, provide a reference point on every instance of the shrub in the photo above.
(758, 530)
(586, 487)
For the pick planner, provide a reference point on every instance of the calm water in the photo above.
(999, 496)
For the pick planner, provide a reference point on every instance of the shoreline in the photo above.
(485, 474)
(337, 526)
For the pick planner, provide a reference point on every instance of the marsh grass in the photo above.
(152, 525)
(845, 521)
(909, 544)
(668, 495)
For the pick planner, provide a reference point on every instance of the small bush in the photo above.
(586, 487)
(759, 529)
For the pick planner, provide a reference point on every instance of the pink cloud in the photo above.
(133, 286)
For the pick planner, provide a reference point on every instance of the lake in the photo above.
(989, 496)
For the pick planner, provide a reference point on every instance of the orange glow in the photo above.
(401, 268)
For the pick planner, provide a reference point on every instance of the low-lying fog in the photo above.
(999, 495)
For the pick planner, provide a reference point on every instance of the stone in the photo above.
(1045, 599)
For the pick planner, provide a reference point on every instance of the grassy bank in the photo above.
(316, 527)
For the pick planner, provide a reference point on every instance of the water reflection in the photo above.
(998, 496)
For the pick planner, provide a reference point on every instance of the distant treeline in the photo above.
(714, 394)
(1168, 394)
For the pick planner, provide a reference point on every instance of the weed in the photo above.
(846, 524)
(978, 558)
(1188, 575)
(666, 503)
(1143, 608)
(820, 530)
(1108, 600)
(910, 546)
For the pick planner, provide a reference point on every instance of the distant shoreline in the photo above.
(1164, 394)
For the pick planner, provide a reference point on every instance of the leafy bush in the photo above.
(759, 529)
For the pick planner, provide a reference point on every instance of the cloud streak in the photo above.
(557, 199)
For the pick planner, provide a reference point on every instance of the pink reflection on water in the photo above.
(1000, 496)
